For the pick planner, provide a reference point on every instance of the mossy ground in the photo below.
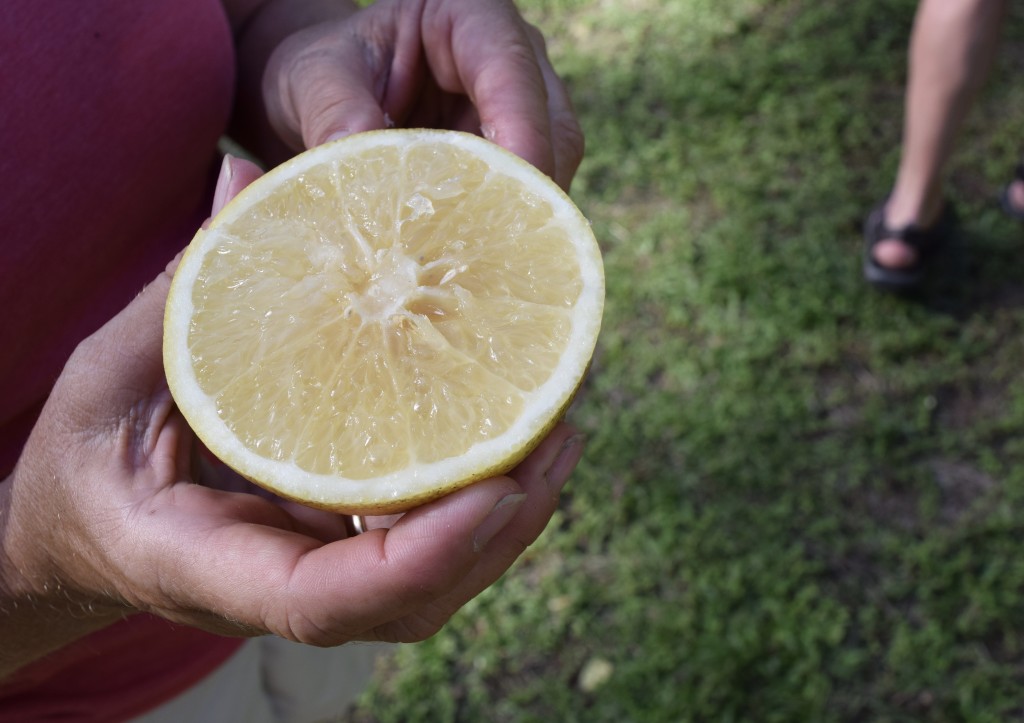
(802, 499)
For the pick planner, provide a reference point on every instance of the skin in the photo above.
(951, 53)
(457, 64)
(109, 512)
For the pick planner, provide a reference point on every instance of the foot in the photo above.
(1015, 196)
(899, 247)
(894, 253)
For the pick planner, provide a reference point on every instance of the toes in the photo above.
(894, 254)
(1016, 195)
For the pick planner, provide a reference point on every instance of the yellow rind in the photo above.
(178, 366)
(404, 505)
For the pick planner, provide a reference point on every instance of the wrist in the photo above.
(38, 612)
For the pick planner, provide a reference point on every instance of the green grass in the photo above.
(801, 499)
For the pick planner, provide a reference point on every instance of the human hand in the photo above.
(471, 65)
(103, 517)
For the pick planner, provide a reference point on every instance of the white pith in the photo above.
(380, 302)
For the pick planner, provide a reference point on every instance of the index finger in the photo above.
(492, 60)
(567, 142)
(258, 575)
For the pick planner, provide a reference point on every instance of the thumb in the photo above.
(123, 360)
(336, 96)
(235, 174)
(341, 105)
(121, 365)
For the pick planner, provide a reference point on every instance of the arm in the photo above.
(103, 518)
(37, 619)
(51, 591)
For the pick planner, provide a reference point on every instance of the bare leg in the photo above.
(951, 51)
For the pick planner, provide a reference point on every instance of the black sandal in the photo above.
(927, 242)
(1004, 200)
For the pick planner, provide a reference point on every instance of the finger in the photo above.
(319, 524)
(426, 554)
(235, 174)
(541, 476)
(341, 105)
(567, 141)
(397, 585)
(491, 58)
(294, 586)
(373, 522)
(541, 462)
(322, 525)
(326, 91)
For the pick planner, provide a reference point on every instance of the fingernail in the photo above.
(220, 194)
(337, 136)
(488, 131)
(561, 469)
(500, 516)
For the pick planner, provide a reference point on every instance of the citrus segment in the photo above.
(384, 319)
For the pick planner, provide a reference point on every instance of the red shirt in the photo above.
(111, 114)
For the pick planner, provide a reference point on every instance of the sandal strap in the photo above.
(918, 238)
(921, 240)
